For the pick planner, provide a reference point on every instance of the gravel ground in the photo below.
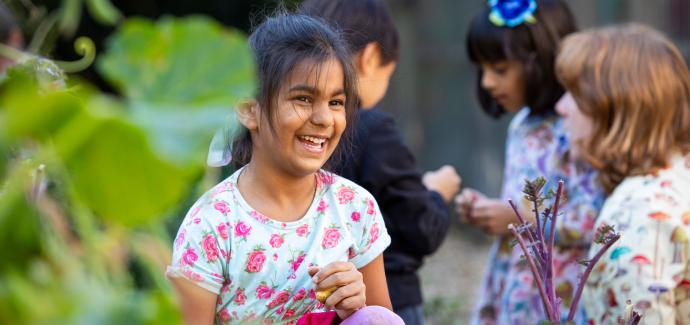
(451, 277)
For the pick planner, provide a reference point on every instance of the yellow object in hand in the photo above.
(322, 295)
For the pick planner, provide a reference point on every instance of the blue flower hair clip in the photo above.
(512, 13)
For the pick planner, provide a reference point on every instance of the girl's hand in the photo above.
(351, 293)
(492, 216)
(464, 202)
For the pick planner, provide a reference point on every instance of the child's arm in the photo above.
(198, 305)
(375, 281)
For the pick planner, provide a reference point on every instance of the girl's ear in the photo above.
(368, 59)
(248, 114)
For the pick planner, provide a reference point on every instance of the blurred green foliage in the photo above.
(89, 179)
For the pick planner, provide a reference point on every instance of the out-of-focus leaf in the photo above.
(103, 11)
(182, 77)
(119, 176)
(19, 223)
(109, 160)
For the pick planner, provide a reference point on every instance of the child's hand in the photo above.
(350, 294)
(444, 180)
(491, 215)
(465, 201)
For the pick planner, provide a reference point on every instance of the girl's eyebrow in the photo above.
(314, 90)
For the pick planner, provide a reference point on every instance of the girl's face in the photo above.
(578, 125)
(309, 119)
(505, 83)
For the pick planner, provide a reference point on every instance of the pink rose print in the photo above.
(275, 256)
(281, 298)
(300, 295)
(240, 297)
(295, 263)
(210, 247)
(191, 275)
(374, 232)
(222, 230)
(322, 207)
(195, 211)
(224, 315)
(180, 238)
(264, 292)
(222, 207)
(312, 294)
(226, 286)
(197, 221)
(370, 207)
(242, 230)
(276, 241)
(330, 238)
(289, 313)
(302, 230)
(280, 310)
(189, 257)
(259, 217)
(355, 216)
(255, 261)
(345, 195)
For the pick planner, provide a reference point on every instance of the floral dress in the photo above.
(258, 266)
(648, 265)
(536, 146)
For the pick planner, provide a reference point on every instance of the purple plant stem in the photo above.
(549, 255)
(583, 279)
(532, 236)
(537, 278)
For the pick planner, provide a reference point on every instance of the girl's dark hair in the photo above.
(360, 22)
(534, 45)
(279, 45)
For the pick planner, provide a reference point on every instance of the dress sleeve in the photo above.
(370, 235)
(201, 248)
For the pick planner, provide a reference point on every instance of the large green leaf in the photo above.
(107, 158)
(182, 77)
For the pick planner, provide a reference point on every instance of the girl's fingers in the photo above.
(330, 269)
(348, 297)
(340, 279)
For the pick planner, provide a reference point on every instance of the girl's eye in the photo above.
(337, 103)
(304, 99)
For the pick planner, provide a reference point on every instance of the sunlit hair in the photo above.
(533, 45)
(281, 44)
(634, 85)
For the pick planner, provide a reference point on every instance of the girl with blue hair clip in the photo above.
(514, 44)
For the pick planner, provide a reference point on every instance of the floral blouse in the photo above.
(258, 266)
(536, 146)
(649, 263)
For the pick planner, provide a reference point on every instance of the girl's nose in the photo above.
(321, 114)
(488, 81)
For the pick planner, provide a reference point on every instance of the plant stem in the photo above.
(537, 279)
(549, 255)
(583, 279)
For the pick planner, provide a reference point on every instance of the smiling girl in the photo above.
(258, 246)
